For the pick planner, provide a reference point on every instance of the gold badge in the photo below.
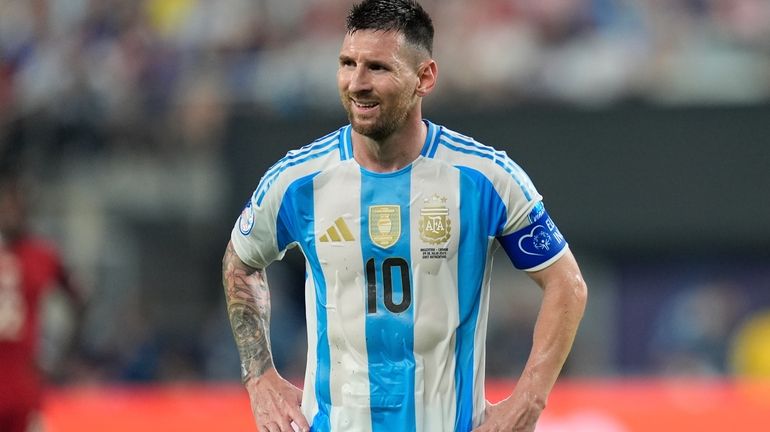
(435, 225)
(385, 224)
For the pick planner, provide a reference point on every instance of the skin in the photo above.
(381, 81)
(275, 402)
(564, 299)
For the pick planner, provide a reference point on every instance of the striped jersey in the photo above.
(398, 269)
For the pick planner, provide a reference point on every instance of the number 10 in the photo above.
(387, 282)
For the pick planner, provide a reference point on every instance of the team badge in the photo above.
(435, 226)
(385, 224)
(247, 219)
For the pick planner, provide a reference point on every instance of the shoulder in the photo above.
(37, 251)
(465, 151)
(38, 246)
(481, 161)
(326, 147)
(302, 163)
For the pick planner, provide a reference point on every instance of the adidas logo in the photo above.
(338, 232)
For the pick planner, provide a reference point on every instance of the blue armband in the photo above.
(536, 243)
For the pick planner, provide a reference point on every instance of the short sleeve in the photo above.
(529, 235)
(255, 234)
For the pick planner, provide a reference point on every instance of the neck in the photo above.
(394, 152)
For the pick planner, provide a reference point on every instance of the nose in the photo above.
(359, 80)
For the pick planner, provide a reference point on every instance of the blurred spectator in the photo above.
(29, 268)
(124, 56)
(750, 350)
(692, 330)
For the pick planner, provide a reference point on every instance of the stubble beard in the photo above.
(386, 123)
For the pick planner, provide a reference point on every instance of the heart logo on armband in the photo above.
(538, 242)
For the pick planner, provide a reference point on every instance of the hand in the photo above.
(275, 403)
(511, 415)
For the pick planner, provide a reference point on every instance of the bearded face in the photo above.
(377, 82)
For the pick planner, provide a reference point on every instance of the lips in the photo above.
(365, 105)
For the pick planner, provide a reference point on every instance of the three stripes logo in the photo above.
(338, 232)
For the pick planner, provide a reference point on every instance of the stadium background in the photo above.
(142, 126)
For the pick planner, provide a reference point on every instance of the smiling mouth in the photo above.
(365, 105)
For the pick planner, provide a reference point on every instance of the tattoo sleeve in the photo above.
(248, 307)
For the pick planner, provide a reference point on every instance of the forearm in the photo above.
(560, 313)
(248, 308)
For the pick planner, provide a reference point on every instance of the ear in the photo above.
(427, 74)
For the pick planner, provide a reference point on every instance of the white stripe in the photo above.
(272, 175)
(517, 207)
(309, 401)
(436, 314)
(346, 328)
(479, 350)
(512, 167)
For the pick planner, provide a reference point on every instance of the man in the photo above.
(397, 218)
(29, 268)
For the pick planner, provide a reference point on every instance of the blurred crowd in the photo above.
(119, 61)
(119, 110)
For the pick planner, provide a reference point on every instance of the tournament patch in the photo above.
(536, 243)
(384, 225)
(246, 221)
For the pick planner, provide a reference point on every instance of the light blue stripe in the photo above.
(510, 165)
(389, 335)
(430, 138)
(490, 156)
(498, 156)
(347, 142)
(482, 213)
(294, 154)
(297, 218)
(436, 144)
(315, 150)
(266, 183)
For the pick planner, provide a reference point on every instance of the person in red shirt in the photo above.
(30, 266)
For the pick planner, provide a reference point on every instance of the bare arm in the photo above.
(274, 401)
(564, 300)
(248, 307)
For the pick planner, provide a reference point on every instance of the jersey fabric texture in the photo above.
(398, 269)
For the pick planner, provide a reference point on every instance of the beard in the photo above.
(389, 119)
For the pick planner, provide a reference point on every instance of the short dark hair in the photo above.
(404, 16)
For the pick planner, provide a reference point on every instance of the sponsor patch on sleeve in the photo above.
(536, 243)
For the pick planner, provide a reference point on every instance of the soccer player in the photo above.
(29, 267)
(397, 218)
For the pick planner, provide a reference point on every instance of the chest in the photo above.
(412, 221)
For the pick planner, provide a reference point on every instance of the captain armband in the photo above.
(536, 245)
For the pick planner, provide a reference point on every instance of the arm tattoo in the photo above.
(248, 307)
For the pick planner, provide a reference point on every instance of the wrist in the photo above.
(252, 368)
(533, 399)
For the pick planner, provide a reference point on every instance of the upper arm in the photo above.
(563, 275)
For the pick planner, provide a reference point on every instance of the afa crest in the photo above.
(385, 225)
(435, 225)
